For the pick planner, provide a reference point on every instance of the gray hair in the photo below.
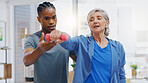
(105, 15)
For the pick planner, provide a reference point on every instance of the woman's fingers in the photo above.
(54, 35)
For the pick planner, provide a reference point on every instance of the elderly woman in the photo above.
(99, 59)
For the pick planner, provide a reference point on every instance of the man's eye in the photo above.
(46, 18)
(53, 17)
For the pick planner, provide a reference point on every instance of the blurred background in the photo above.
(128, 24)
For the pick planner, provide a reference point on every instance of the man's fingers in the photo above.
(49, 45)
(42, 37)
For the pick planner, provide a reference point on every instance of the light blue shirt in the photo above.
(84, 48)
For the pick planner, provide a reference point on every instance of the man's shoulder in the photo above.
(38, 34)
(34, 35)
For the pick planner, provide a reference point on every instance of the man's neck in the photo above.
(44, 32)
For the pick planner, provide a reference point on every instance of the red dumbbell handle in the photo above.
(63, 37)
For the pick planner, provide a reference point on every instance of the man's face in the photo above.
(48, 20)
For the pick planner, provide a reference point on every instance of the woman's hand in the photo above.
(55, 36)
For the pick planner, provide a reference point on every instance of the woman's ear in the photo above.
(107, 23)
(39, 19)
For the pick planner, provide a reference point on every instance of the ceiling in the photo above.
(25, 1)
(19, 2)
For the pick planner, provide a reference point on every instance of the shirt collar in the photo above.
(111, 41)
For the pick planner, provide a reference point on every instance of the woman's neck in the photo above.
(100, 39)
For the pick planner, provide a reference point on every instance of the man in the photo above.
(49, 58)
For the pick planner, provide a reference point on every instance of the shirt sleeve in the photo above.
(122, 71)
(29, 42)
(71, 44)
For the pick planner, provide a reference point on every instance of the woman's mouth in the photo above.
(96, 26)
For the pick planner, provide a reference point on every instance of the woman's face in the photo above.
(48, 20)
(97, 23)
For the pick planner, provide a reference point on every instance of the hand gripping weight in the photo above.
(63, 37)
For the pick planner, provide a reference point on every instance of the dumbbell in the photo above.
(63, 37)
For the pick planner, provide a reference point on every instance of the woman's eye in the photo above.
(91, 20)
(99, 18)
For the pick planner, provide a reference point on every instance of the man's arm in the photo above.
(32, 55)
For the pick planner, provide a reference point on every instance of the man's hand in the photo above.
(45, 46)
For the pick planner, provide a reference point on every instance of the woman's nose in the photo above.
(95, 21)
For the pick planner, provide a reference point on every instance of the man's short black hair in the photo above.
(43, 6)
